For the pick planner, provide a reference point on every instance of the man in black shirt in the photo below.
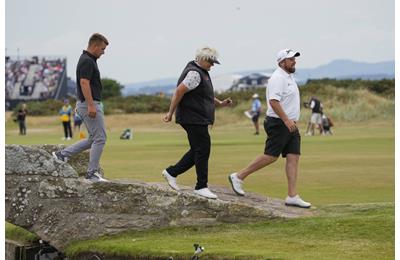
(21, 119)
(316, 116)
(89, 107)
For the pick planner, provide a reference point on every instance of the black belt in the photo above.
(276, 118)
(82, 100)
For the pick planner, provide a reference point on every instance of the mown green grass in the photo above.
(355, 166)
(19, 234)
(341, 232)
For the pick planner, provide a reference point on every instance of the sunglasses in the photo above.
(210, 61)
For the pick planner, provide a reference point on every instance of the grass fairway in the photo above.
(355, 167)
(342, 232)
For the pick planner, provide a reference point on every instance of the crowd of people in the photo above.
(193, 105)
(67, 114)
(15, 72)
(30, 74)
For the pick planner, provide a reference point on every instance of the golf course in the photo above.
(348, 177)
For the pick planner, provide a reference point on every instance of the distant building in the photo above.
(224, 82)
(251, 81)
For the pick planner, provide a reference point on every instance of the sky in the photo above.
(154, 39)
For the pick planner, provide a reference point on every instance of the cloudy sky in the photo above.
(153, 39)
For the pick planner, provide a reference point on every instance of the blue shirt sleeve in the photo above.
(256, 105)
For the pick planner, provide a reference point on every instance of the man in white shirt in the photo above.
(283, 112)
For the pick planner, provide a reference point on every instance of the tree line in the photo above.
(115, 103)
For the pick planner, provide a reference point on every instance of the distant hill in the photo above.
(150, 87)
(338, 69)
(347, 69)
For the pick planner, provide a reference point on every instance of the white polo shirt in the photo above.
(282, 87)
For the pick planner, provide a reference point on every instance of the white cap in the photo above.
(255, 95)
(286, 53)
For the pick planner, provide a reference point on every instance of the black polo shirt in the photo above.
(87, 69)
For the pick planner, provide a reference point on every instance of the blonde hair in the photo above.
(206, 53)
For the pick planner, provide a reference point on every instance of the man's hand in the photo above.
(291, 125)
(167, 118)
(92, 110)
(226, 102)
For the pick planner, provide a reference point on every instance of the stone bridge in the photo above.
(50, 198)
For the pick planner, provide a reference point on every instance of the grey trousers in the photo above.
(96, 139)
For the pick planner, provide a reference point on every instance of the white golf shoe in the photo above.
(95, 177)
(170, 179)
(205, 192)
(296, 201)
(236, 184)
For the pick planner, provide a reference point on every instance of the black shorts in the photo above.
(280, 140)
(255, 117)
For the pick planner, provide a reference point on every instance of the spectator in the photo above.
(77, 121)
(316, 116)
(21, 118)
(255, 112)
(327, 124)
(66, 114)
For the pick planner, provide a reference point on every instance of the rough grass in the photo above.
(350, 104)
(357, 105)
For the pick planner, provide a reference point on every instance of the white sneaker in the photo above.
(248, 114)
(205, 192)
(59, 156)
(69, 138)
(170, 179)
(236, 184)
(296, 201)
(100, 177)
(95, 177)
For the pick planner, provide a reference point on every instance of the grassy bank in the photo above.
(19, 234)
(342, 105)
(341, 232)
